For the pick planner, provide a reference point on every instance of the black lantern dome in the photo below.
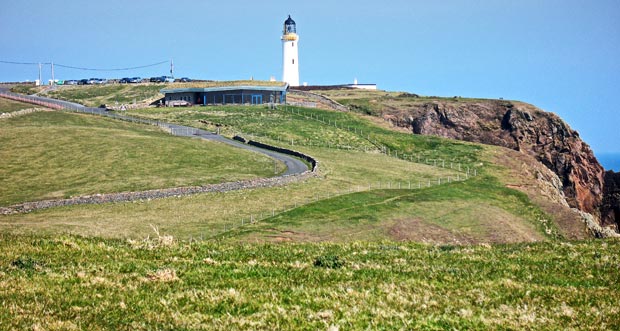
(290, 26)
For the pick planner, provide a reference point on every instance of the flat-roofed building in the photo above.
(226, 95)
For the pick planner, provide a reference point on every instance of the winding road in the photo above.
(294, 166)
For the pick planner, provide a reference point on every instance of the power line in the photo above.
(26, 63)
(84, 68)
(115, 69)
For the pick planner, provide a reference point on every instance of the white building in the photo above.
(290, 53)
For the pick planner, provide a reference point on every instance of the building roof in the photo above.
(280, 88)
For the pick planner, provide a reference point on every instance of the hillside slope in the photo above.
(515, 125)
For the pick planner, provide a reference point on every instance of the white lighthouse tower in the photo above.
(290, 54)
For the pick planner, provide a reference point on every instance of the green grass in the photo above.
(474, 211)
(207, 215)
(94, 96)
(312, 127)
(10, 106)
(27, 89)
(496, 215)
(77, 283)
(58, 155)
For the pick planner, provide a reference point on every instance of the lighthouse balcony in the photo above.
(290, 37)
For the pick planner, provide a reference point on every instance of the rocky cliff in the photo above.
(610, 209)
(521, 127)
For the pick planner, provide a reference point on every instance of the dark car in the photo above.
(185, 80)
(159, 79)
(124, 80)
(83, 82)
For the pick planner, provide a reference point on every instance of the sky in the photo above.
(560, 55)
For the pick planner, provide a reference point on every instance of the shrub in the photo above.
(25, 263)
(329, 261)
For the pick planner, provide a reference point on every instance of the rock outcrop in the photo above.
(610, 210)
(527, 129)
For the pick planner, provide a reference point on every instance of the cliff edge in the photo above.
(517, 126)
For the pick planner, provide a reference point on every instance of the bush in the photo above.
(329, 261)
(25, 263)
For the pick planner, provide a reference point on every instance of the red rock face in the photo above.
(521, 127)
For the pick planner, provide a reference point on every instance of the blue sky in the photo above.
(562, 56)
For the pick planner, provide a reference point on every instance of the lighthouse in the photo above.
(290, 54)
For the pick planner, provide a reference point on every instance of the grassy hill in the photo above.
(71, 282)
(58, 155)
(355, 155)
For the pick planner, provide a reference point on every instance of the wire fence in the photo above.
(248, 219)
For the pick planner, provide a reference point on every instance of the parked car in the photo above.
(185, 80)
(162, 79)
(83, 82)
(178, 103)
(71, 82)
(124, 80)
(135, 80)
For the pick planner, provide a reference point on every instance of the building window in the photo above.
(293, 61)
(293, 44)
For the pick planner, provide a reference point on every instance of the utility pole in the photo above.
(171, 68)
(40, 79)
(52, 73)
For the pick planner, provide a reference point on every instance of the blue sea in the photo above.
(610, 161)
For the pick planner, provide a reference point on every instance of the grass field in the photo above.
(441, 214)
(207, 215)
(67, 283)
(9, 106)
(310, 210)
(312, 127)
(58, 155)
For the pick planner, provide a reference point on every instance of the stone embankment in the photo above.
(319, 99)
(22, 112)
(159, 193)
